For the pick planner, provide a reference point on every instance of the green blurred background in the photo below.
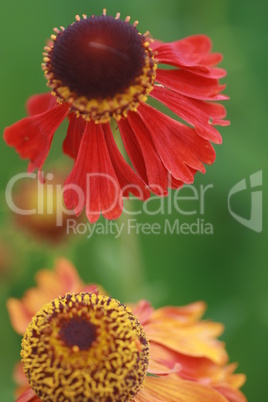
(226, 269)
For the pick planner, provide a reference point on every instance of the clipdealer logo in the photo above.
(255, 221)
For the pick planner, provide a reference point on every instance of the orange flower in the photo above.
(186, 360)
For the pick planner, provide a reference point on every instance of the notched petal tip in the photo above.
(32, 136)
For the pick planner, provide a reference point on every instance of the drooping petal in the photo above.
(93, 181)
(40, 103)
(28, 396)
(178, 145)
(126, 176)
(156, 172)
(74, 135)
(32, 136)
(172, 389)
(190, 110)
(175, 183)
(133, 148)
(191, 53)
(189, 84)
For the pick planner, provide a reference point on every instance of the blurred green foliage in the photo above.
(227, 269)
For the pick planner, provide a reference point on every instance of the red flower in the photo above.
(101, 71)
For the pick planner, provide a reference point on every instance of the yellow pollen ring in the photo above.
(110, 367)
(103, 110)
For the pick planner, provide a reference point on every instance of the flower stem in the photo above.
(131, 267)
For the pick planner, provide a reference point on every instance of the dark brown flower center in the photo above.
(78, 332)
(98, 57)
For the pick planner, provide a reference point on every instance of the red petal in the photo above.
(74, 135)
(175, 184)
(33, 135)
(156, 43)
(133, 148)
(177, 144)
(208, 72)
(156, 171)
(215, 111)
(93, 181)
(211, 59)
(191, 85)
(191, 53)
(126, 176)
(40, 103)
(190, 110)
(196, 44)
(189, 50)
(28, 396)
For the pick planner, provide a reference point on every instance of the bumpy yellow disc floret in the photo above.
(84, 348)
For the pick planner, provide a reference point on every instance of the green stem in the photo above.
(131, 267)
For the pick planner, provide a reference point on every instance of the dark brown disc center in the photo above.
(78, 332)
(98, 57)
